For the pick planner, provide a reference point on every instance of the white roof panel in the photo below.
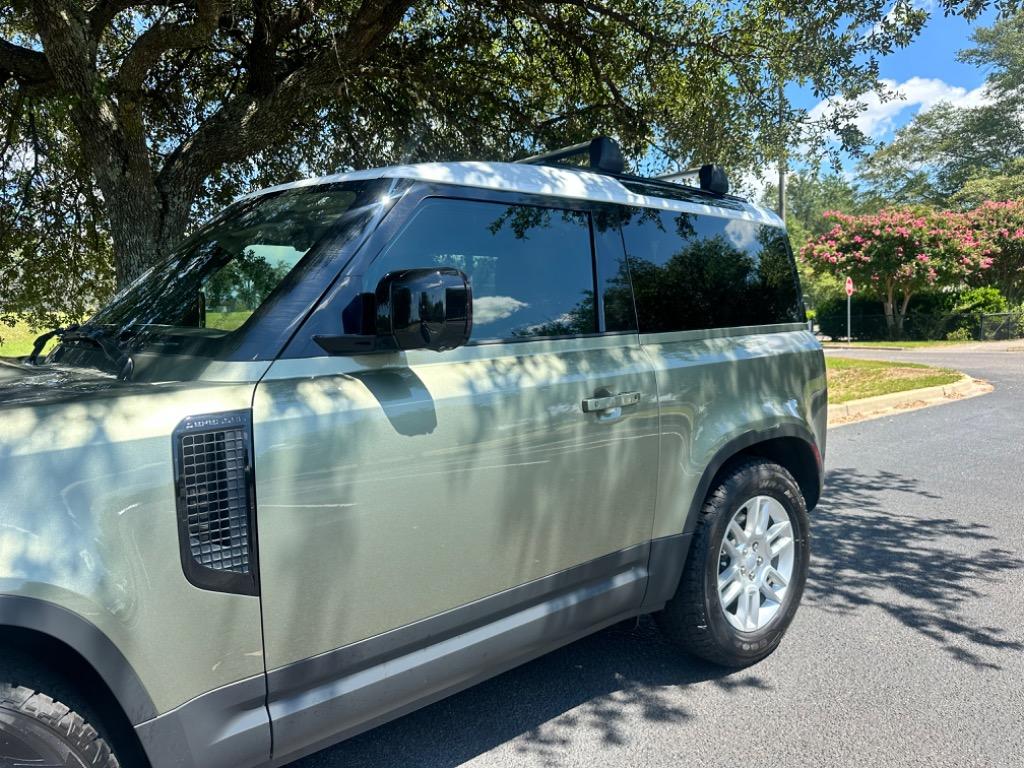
(534, 179)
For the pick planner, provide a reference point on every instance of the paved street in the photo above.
(908, 650)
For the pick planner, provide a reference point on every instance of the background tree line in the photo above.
(932, 222)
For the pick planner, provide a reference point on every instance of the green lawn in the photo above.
(17, 341)
(226, 321)
(853, 379)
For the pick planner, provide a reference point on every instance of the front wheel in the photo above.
(746, 569)
(35, 730)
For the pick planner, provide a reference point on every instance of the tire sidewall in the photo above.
(760, 480)
(44, 742)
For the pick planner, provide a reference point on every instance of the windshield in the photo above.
(223, 273)
(194, 301)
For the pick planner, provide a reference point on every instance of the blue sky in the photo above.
(925, 72)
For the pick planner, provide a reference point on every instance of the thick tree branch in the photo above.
(159, 39)
(249, 122)
(29, 68)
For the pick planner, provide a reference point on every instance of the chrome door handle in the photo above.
(609, 402)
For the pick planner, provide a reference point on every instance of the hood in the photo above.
(22, 384)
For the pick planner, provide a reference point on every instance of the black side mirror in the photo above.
(425, 309)
(411, 309)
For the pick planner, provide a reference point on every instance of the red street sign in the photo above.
(849, 286)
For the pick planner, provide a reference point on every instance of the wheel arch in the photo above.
(38, 627)
(796, 453)
(790, 445)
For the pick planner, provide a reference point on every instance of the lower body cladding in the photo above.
(323, 700)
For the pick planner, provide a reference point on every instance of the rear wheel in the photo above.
(746, 569)
(37, 731)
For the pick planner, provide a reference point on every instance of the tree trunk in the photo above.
(902, 314)
(145, 224)
(889, 307)
(135, 223)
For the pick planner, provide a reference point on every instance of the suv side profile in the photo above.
(365, 440)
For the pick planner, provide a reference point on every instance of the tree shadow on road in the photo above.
(922, 570)
(598, 688)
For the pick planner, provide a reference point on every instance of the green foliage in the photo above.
(1004, 184)
(984, 300)
(960, 334)
(867, 320)
(1000, 227)
(243, 283)
(808, 195)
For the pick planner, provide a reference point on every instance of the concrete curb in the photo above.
(847, 348)
(910, 400)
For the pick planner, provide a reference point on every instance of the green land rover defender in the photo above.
(365, 440)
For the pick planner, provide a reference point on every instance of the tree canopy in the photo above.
(128, 120)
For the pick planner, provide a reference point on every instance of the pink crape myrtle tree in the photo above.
(893, 254)
(1000, 227)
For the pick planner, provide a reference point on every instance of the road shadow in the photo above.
(921, 570)
(596, 688)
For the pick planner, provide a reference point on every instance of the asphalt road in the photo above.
(907, 651)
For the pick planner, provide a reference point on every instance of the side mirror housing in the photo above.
(425, 309)
(411, 309)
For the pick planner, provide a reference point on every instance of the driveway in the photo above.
(908, 650)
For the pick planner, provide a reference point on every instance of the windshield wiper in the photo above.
(123, 362)
(40, 342)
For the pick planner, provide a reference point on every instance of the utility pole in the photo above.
(782, 150)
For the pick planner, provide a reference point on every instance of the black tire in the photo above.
(38, 731)
(694, 618)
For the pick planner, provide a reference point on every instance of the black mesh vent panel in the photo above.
(214, 500)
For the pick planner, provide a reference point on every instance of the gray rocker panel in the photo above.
(225, 728)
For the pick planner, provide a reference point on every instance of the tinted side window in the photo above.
(530, 268)
(693, 272)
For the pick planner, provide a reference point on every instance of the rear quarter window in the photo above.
(695, 272)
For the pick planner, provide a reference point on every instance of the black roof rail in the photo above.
(604, 153)
(605, 156)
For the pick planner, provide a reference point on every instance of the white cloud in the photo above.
(752, 185)
(741, 233)
(918, 93)
(488, 309)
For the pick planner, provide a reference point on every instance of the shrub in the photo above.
(960, 334)
(986, 300)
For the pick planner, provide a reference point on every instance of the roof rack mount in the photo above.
(605, 155)
(712, 178)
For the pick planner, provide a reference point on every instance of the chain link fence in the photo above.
(925, 327)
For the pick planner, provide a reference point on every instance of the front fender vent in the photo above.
(215, 495)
